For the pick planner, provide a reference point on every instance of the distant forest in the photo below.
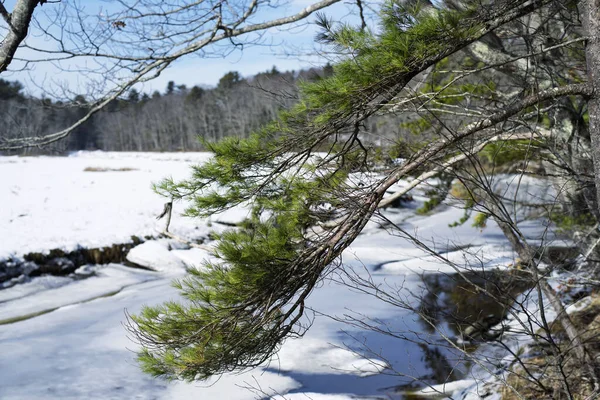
(173, 120)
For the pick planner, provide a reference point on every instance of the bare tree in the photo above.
(130, 43)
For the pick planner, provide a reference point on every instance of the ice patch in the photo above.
(445, 389)
(37, 284)
(109, 280)
(315, 356)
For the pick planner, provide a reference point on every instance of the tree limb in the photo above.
(440, 148)
(460, 157)
(19, 25)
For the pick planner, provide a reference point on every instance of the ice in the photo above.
(108, 280)
(36, 284)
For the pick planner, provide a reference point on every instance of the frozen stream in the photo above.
(80, 350)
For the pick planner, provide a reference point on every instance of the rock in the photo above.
(28, 267)
(560, 255)
(61, 263)
(483, 328)
(9, 269)
(401, 201)
(56, 266)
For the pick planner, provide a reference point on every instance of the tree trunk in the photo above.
(590, 17)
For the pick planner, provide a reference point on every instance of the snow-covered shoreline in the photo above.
(89, 199)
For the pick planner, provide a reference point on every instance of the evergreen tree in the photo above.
(10, 90)
(229, 80)
(170, 88)
(239, 310)
(195, 94)
(133, 97)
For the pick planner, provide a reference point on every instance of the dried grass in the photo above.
(107, 169)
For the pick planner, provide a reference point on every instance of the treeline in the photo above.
(173, 120)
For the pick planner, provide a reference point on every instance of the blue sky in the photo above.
(192, 70)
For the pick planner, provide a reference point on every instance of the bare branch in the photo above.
(147, 71)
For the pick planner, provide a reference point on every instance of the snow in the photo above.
(579, 305)
(319, 357)
(156, 255)
(446, 389)
(70, 343)
(192, 258)
(482, 257)
(62, 206)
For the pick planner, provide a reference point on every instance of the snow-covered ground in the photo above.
(65, 338)
(54, 202)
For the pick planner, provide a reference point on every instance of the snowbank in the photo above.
(54, 203)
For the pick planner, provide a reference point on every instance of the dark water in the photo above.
(413, 344)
